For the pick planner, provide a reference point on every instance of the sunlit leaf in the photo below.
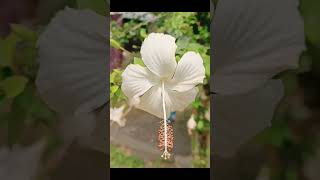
(200, 125)
(311, 15)
(99, 6)
(24, 32)
(7, 50)
(138, 61)
(115, 44)
(36, 110)
(13, 85)
(114, 89)
(206, 62)
(143, 33)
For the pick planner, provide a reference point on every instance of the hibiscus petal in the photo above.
(151, 101)
(190, 72)
(158, 54)
(254, 40)
(178, 101)
(240, 117)
(136, 80)
(72, 58)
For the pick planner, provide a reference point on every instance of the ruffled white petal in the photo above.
(158, 54)
(178, 101)
(190, 72)
(136, 80)
(72, 57)
(240, 117)
(253, 41)
(151, 101)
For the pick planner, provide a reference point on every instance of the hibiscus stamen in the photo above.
(166, 154)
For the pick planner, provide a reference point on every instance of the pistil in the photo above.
(166, 154)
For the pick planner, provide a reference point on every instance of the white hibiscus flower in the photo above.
(162, 75)
(253, 41)
(163, 85)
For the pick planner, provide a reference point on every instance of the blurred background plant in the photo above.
(24, 118)
(22, 110)
(192, 33)
(293, 139)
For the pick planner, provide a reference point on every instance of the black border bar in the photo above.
(159, 5)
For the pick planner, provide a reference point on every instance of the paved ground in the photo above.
(140, 135)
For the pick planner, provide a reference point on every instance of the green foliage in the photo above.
(18, 92)
(200, 108)
(294, 141)
(179, 24)
(138, 61)
(99, 6)
(115, 44)
(276, 136)
(192, 32)
(24, 32)
(120, 159)
(116, 95)
(311, 15)
(7, 50)
(13, 85)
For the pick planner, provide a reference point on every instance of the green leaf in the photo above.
(26, 56)
(183, 42)
(114, 89)
(13, 85)
(7, 50)
(311, 15)
(115, 77)
(206, 61)
(112, 77)
(115, 44)
(36, 110)
(118, 93)
(24, 32)
(40, 111)
(143, 33)
(275, 136)
(99, 6)
(200, 125)
(138, 61)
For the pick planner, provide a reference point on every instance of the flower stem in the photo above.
(166, 154)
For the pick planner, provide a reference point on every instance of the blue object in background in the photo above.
(172, 117)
